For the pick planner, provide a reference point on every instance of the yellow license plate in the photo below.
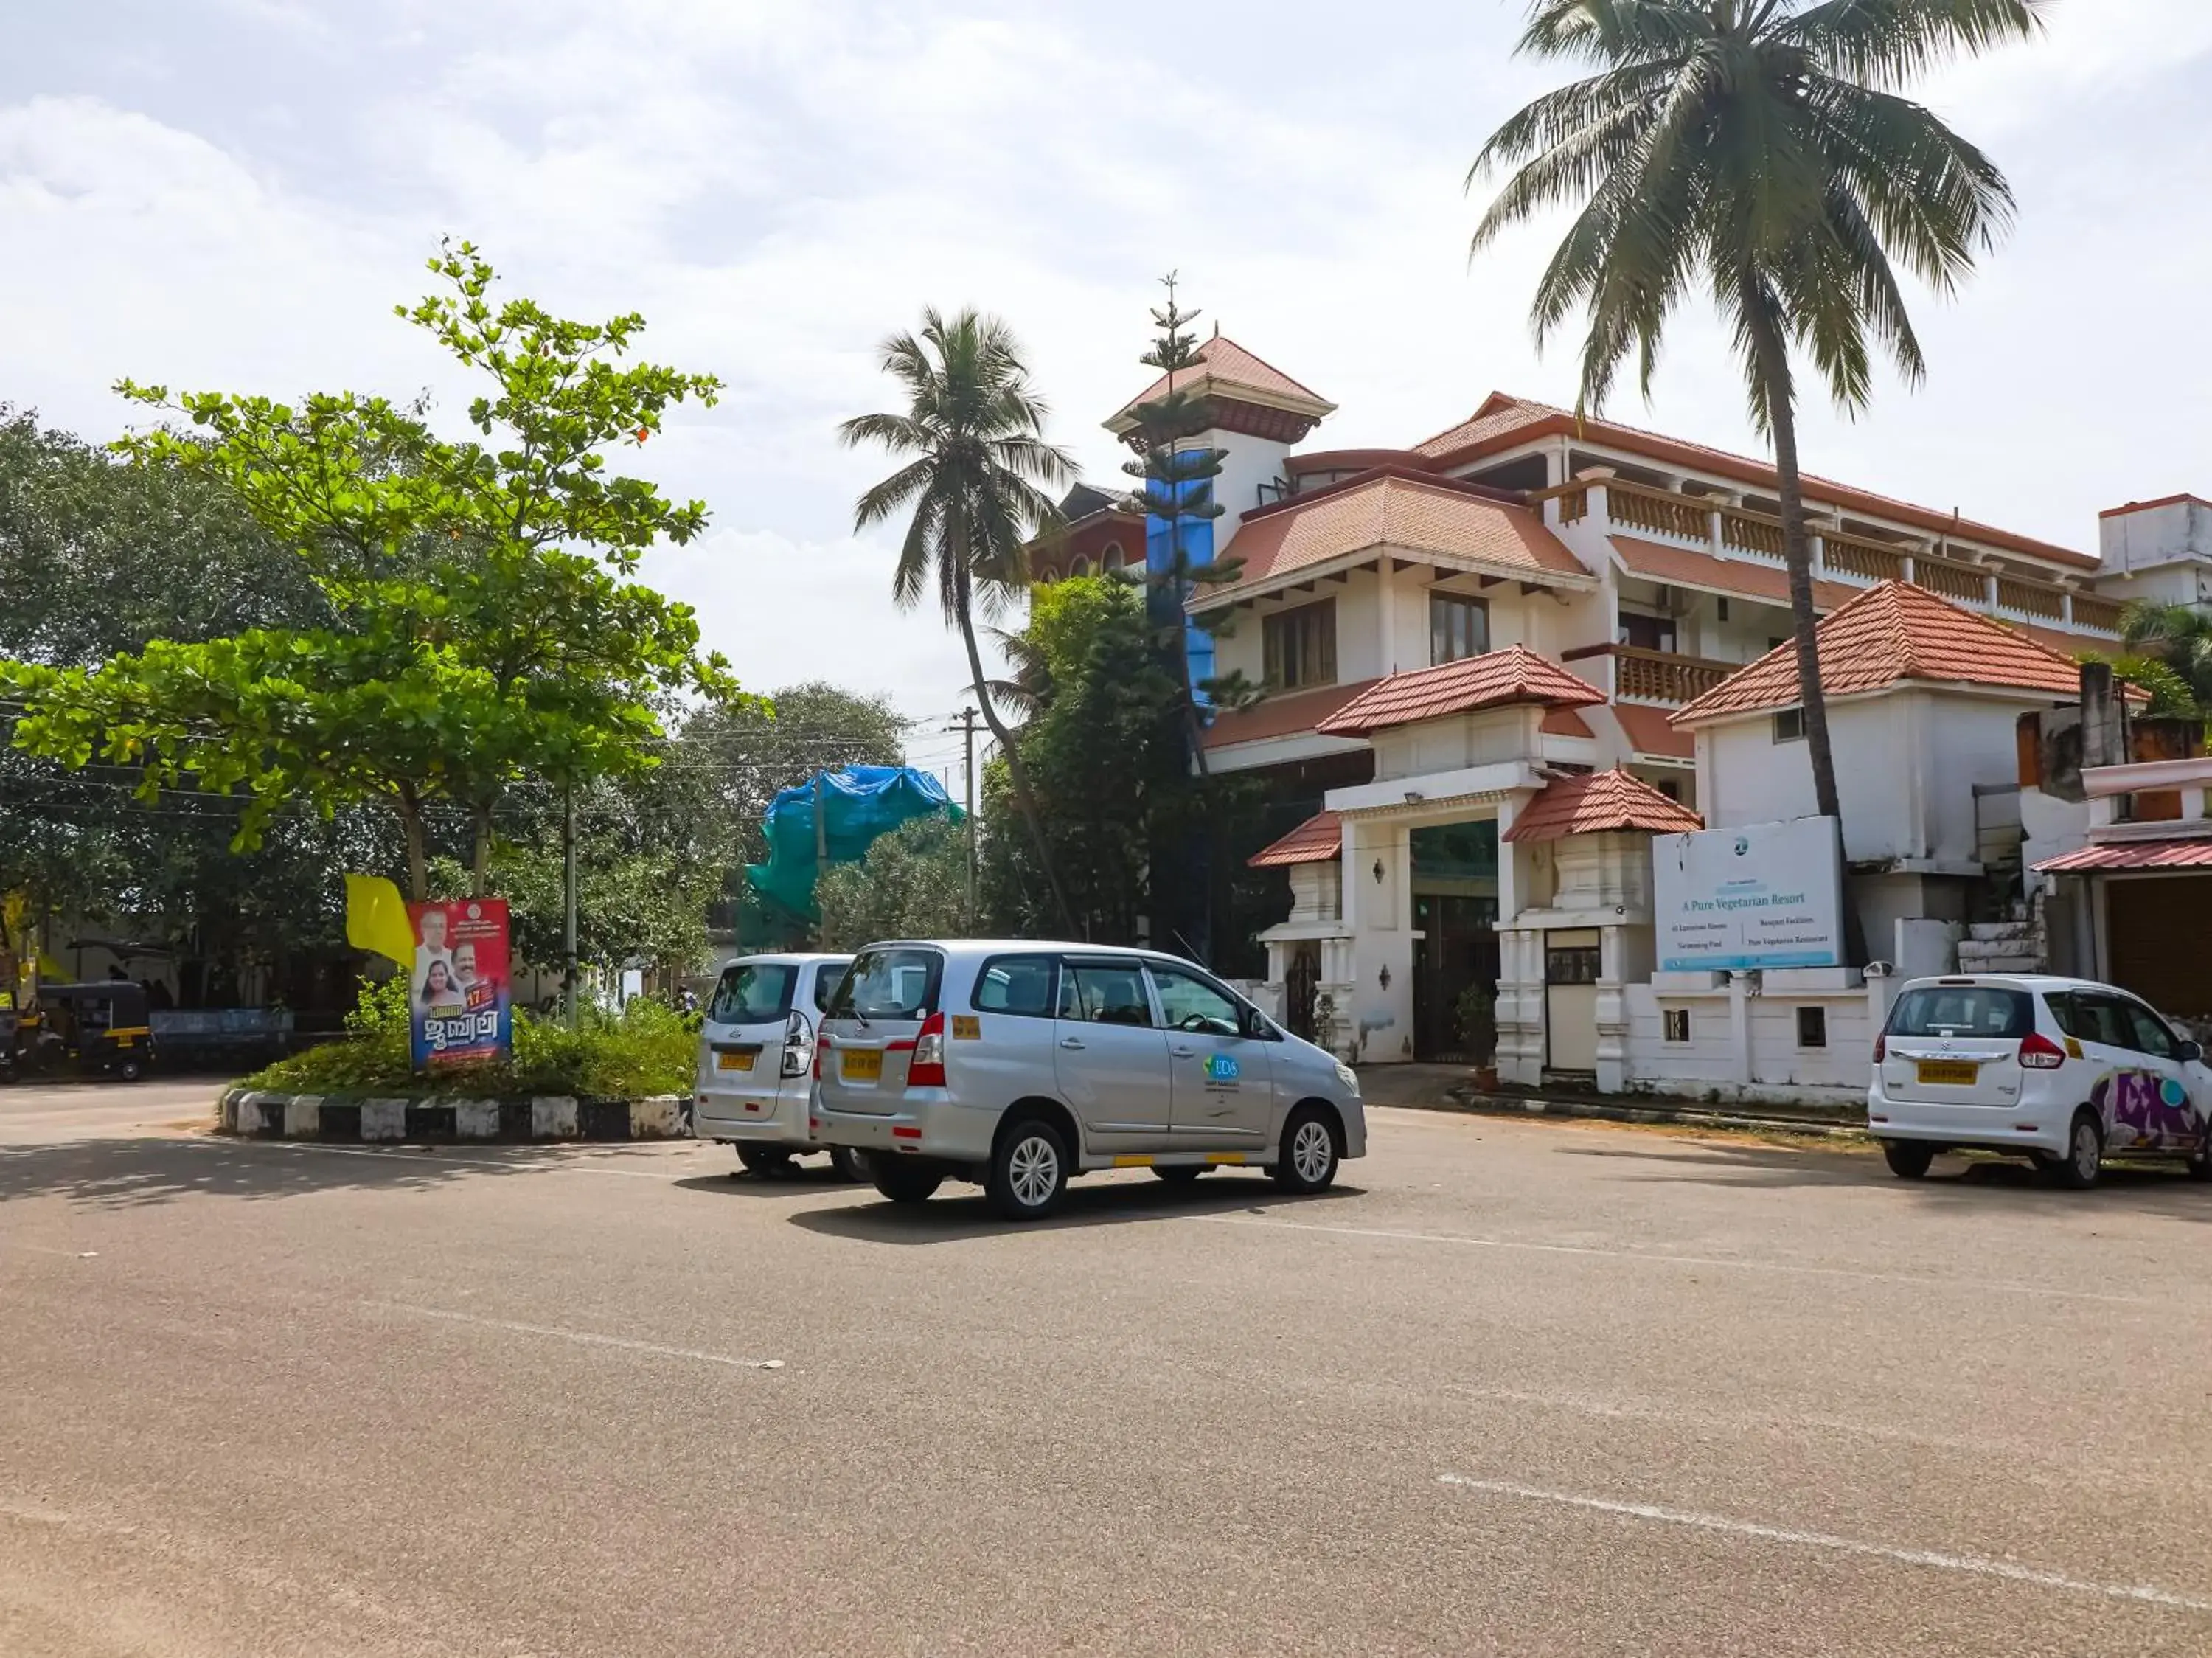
(727, 1061)
(861, 1065)
(1950, 1073)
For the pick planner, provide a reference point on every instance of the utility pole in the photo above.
(965, 723)
(568, 897)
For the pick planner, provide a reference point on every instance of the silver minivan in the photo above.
(756, 1058)
(1015, 1064)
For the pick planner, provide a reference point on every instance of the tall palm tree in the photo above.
(1760, 148)
(2178, 637)
(976, 472)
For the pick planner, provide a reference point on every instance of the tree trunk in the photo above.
(1772, 356)
(1015, 769)
(480, 862)
(410, 823)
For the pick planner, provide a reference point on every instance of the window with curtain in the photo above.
(1300, 646)
(1458, 627)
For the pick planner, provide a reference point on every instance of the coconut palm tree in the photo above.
(2179, 638)
(1759, 150)
(976, 472)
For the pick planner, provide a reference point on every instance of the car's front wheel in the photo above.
(1029, 1171)
(2078, 1169)
(1307, 1159)
(2200, 1165)
(851, 1163)
(1908, 1159)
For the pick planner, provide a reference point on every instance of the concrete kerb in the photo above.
(259, 1114)
(1687, 1116)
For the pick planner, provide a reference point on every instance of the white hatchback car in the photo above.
(1018, 1065)
(2064, 1071)
(756, 1058)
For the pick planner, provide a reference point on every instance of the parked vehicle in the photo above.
(2064, 1071)
(1016, 1064)
(100, 1027)
(757, 1059)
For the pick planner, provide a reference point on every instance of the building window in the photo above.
(1723, 610)
(1812, 1028)
(1300, 646)
(1114, 559)
(1678, 1024)
(1790, 725)
(1671, 787)
(1079, 568)
(1458, 627)
(1647, 632)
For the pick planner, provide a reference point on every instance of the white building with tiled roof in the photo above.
(1647, 568)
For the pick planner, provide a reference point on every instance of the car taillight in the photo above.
(927, 1069)
(2038, 1052)
(818, 1048)
(1881, 1048)
(797, 1035)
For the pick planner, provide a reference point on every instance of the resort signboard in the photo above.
(1766, 895)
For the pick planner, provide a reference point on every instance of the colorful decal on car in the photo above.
(2143, 1109)
(967, 1028)
(1222, 1071)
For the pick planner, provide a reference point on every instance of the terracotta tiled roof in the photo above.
(1566, 722)
(1889, 634)
(1229, 369)
(1410, 515)
(1319, 839)
(1649, 731)
(1515, 675)
(1655, 561)
(1282, 714)
(1594, 804)
(1504, 421)
(2132, 855)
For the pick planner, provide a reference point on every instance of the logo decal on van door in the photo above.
(1222, 1071)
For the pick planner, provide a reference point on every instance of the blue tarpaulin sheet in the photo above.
(857, 803)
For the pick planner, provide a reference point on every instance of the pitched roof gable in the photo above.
(1228, 368)
(1889, 635)
(1319, 839)
(1600, 803)
(1496, 680)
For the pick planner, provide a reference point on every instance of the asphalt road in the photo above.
(1512, 1388)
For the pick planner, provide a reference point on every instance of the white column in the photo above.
(1386, 612)
(1612, 1012)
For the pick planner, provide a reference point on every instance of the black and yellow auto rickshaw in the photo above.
(89, 1028)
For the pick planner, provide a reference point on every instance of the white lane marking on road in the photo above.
(405, 1156)
(1660, 1257)
(1971, 1565)
(586, 1337)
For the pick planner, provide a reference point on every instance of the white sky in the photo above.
(232, 193)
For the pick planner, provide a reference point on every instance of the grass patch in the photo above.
(647, 1049)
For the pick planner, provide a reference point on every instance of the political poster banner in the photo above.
(460, 1000)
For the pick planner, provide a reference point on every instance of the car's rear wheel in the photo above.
(767, 1161)
(851, 1163)
(129, 1071)
(1307, 1159)
(1908, 1159)
(903, 1183)
(1029, 1171)
(2078, 1169)
(2200, 1165)
(1179, 1173)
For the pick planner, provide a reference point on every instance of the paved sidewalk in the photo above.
(1457, 1087)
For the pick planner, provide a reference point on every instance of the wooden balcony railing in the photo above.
(1655, 676)
(1848, 559)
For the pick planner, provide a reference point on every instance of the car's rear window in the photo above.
(1016, 984)
(1987, 1010)
(899, 983)
(825, 983)
(753, 993)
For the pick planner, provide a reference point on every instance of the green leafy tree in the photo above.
(468, 646)
(1760, 149)
(2170, 656)
(975, 470)
(912, 884)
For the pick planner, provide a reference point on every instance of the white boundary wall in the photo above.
(1743, 1035)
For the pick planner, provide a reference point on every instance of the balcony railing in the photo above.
(1652, 676)
(1727, 532)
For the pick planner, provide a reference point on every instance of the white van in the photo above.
(757, 1059)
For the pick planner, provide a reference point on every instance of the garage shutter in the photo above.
(2161, 941)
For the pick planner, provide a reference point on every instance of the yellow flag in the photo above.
(376, 919)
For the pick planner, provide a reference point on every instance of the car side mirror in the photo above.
(2192, 1050)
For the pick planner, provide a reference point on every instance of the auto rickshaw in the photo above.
(98, 1026)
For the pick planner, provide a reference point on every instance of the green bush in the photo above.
(647, 1049)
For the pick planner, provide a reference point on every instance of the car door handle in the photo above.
(1185, 1053)
(1070, 1042)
